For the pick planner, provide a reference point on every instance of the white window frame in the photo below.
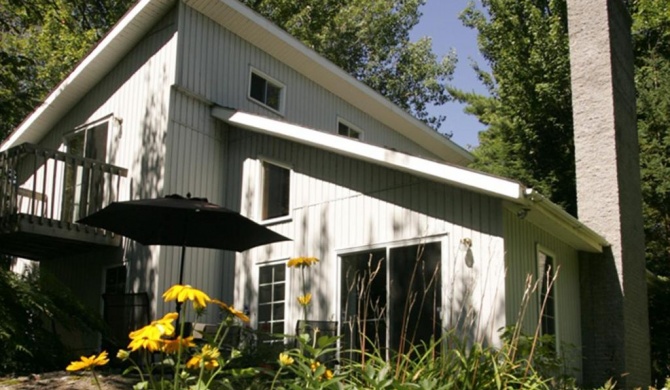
(541, 251)
(268, 79)
(287, 291)
(261, 193)
(351, 126)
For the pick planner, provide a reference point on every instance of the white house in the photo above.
(207, 97)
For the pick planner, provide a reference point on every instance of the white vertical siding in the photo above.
(137, 92)
(215, 64)
(521, 245)
(339, 204)
(195, 163)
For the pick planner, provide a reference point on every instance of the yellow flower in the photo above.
(150, 337)
(305, 299)
(89, 363)
(328, 374)
(285, 359)
(172, 346)
(122, 354)
(302, 262)
(207, 357)
(231, 310)
(184, 292)
(314, 365)
(148, 343)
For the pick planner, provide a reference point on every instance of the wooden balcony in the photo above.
(43, 192)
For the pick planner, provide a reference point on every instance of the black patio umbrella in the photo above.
(186, 222)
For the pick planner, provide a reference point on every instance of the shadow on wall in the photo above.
(147, 183)
(409, 192)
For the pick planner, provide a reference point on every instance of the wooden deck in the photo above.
(43, 192)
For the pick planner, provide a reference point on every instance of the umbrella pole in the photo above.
(181, 267)
(181, 279)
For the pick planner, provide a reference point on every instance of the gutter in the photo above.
(556, 215)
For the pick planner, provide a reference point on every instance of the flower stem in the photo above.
(95, 377)
(275, 378)
(181, 335)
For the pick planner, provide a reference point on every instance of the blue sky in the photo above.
(440, 22)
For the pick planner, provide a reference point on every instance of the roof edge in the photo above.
(430, 138)
(440, 171)
(79, 71)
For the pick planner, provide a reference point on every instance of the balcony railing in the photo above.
(47, 187)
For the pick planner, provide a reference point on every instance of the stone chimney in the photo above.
(614, 293)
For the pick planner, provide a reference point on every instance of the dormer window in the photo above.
(348, 130)
(266, 91)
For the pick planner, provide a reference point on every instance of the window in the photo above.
(271, 298)
(266, 91)
(395, 318)
(348, 130)
(83, 190)
(276, 191)
(115, 280)
(547, 271)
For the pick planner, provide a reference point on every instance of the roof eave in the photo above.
(92, 68)
(536, 209)
(257, 30)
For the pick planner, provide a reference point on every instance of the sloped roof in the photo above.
(537, 209)
(257, 30)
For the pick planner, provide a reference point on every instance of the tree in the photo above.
(651, 37)
(529, 115)
(529, 110)
(369, 39)
(40, 43)
(42, 40)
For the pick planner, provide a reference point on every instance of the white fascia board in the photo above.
(89, 71)
(457, 176)
(280, 44)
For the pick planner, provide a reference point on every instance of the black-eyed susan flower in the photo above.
(150, 337)
(304, 300)
(171, 346)
(285, 359)
(181, 293)
(208, 357)
(231, 310)
(122, 355)
(88, 363)
(301, 262)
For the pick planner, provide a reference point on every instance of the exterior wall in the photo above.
(522, 241)
(340, 205)
(195, 163)
(85, 284)
(137, 93)
(215, 64)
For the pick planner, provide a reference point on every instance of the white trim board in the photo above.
(545, 214)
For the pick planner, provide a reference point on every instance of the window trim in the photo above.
(260, 198)
(542, 250)
(287, 290)
(351, 126)
(271, 80)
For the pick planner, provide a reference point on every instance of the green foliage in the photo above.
(40, 42)
(369, 39)
(530, 116)
(30, 307)
(529, 111)
(651, 38)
